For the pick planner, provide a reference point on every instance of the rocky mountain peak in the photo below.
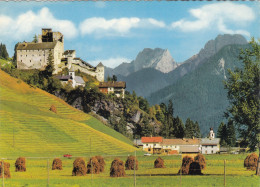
(213, 46)
(157, 58)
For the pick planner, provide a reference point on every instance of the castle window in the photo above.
(30, 61)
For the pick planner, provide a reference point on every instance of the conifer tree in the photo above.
(231, 134)
(189, 128)
(179, 132)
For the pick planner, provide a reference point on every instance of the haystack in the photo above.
(102, 163)
(79, 167)
(117, 168)
(6, 170)
(195, 169)
(251, 162)
(20, 164)
(201, 160)
(131, 163)
(57, 164)
(53, 109)
(93, 166)
(185, 167)
(159, 163)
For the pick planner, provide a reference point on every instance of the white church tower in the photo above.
(211, 134)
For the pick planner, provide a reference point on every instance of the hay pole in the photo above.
(134, 170)
(48, 173)
(224, 172)
(180, 171)
(3, 173)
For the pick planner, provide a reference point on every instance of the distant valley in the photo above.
(195, 85)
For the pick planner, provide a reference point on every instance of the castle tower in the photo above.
(211, 133)
(100, 70)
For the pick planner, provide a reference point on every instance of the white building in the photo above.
(211, 144)
(71, 79)
(31, 55)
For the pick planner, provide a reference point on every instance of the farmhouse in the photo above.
(34, 55)
(118, 88)
(152, 144)
(176, 146)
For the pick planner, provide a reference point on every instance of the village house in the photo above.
(71, 79)
(118, 88)
(176, 146)
(34, 55)
(152, 145)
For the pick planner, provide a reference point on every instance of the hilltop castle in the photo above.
(34, 55)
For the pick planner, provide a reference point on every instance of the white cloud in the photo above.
(111, 62)
(116, 27)
(30, 23)
(217, 16)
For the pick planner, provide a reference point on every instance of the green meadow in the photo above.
(146, 175)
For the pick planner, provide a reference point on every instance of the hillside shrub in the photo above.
(20, 164)
(95, 168)
(201, 160)
(117, 168)
(57, 164)
(79, 167)
(185, 167)
(195, 168)
(53, 109)
(131, 163)
(102, 163)
(159, 163)
(6, 170)
(251, 162)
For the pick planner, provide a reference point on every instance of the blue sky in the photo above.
(113, 32)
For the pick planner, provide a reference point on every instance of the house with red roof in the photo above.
(152, 144)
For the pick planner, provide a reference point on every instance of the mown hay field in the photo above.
(29, 128)
(146, 175)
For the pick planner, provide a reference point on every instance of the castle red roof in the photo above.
(151, 139)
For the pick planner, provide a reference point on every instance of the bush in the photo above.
(131, 163)
(201, 160)
(195, 168)
(79, 167)
(53, 109)
(95, 168)
(20, 164)
(159, 163)
(251, 162)
(102, 163)
(57, 164)
(6, 170)
(185, 167)
(117, 168)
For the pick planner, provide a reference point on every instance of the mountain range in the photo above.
(195, 85)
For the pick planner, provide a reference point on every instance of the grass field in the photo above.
(236, 175)
(29, 128)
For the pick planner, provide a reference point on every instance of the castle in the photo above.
(34, 55)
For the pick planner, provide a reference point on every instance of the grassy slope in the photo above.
(29, 128)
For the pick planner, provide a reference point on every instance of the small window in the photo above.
(21, 60)
(30, 61)
(212, 151)
(206, 146)
(26, 55)
(22, 55)
(154, 144)
(149, 149)
(212, 146)
(146, 144)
